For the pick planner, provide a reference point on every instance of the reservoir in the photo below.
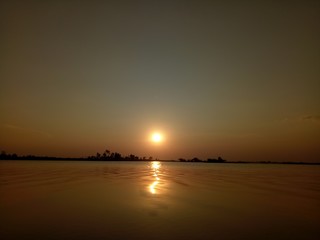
(158, 200)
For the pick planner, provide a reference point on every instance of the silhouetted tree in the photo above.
(3, 155)
(106, 154)
(132, 157)
(117, 156)
(195, 159)
(214, 160)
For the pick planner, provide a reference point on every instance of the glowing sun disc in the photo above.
(156, 137)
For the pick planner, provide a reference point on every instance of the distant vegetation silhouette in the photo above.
(209, 160)
(14, 156)
(107, 155)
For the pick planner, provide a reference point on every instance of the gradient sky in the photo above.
(240, 80)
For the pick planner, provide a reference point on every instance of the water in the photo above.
(141, 200)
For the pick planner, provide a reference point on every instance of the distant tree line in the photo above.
(14, 156)
(105, 156)
(209, 160)
(115, 156)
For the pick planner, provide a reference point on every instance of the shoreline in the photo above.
(175, 161)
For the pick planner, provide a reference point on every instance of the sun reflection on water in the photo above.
(152, 187)
(155, 167)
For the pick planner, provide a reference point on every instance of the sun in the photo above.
(156, 137)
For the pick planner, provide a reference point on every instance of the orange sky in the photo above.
(229, 79)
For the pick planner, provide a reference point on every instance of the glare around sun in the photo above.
(156, 137)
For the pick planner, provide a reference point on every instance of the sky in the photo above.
(237, 79)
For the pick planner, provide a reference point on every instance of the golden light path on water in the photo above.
(155, 167)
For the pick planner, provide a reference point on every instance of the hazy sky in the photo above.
(238, 79)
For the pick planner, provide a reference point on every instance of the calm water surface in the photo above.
(133, 200)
